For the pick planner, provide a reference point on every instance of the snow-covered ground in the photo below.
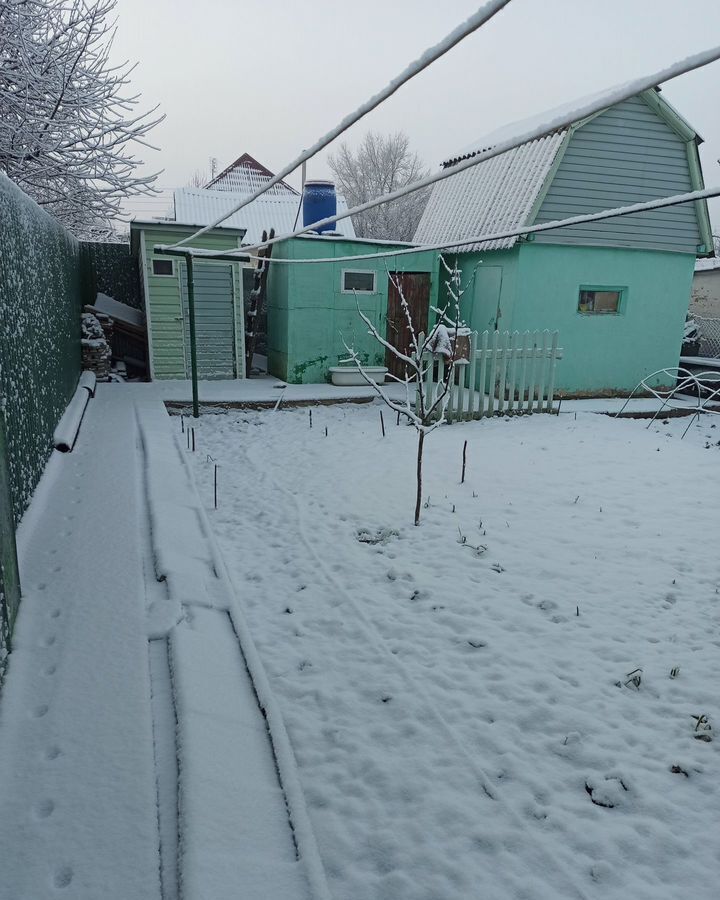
(459, 714)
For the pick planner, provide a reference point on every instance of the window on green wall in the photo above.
(600, 301)
(162, 267)
(358, 281)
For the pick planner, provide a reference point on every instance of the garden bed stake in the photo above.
(310, 416)
(193, 440)
(462, 478)
(382, 423)
(215, 479)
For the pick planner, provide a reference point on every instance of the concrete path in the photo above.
(134, 756)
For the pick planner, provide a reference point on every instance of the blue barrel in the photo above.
(319, 202)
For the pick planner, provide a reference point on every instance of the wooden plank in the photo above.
(523, 370)
(532, 373)
(551, 376)
(493, 372)
(505, 351)
(512, 377)
(471, 374)
(543, 350)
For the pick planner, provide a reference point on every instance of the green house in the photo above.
(313, 306)
(616, 290)
(219, 316)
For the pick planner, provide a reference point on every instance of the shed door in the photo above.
(214, 320)
(416, 289)
(486, 310)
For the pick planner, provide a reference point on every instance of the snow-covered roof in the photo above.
(199, 206)
(707, 265)
(245, 176)
(495, 195)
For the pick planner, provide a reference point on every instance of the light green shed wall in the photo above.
(309, 315)
(605, 352)
(602, 353)
(163, 298)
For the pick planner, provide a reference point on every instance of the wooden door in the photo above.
(416, 290)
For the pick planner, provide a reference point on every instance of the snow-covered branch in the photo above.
(67, 119)
(425, 413)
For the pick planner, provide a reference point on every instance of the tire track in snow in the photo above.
(381, 646)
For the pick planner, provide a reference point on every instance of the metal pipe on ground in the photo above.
(67, 428)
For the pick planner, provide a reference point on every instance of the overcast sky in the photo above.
(269, 77)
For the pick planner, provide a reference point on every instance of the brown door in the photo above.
(415, 287)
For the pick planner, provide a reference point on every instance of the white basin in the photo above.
(345, 376)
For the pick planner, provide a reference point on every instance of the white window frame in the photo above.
(358, 272)
(170, 274)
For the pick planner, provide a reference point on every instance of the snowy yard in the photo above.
(469, 722)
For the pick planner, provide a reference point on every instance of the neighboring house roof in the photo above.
(506, 192)
(245, 176)
(199, 206)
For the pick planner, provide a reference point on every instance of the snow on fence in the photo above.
(506, 373)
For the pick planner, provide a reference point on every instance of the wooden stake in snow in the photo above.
(462, 478)
(215, 486)
(310, 416)
(382, 423)
(193, 440)
(182, 423)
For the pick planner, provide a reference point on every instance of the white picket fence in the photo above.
(507, 373)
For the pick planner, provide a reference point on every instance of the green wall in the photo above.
(309, 315)
(605, 353)
(539, 289)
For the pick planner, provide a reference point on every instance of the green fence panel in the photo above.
(42, 275)
(113, 271)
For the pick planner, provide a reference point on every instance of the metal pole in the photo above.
(193, 346)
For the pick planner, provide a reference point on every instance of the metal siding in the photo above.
(199, 206)
(214, 327)
(626, 155)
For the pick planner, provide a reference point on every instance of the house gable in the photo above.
(627, 154)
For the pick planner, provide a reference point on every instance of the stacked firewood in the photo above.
(95, 343)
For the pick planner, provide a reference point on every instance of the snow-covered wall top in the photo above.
(40, 298)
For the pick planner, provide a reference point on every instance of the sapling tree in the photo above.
(425, 400)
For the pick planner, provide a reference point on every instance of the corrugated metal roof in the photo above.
(496, 195)
(245, 176)
(199, 206)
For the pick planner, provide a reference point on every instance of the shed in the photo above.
(616, 290)
(219, 316)
(312, 308)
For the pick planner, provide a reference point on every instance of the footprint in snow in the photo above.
(609, 791)
(63, 877)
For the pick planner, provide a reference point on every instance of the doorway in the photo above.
(415, 287)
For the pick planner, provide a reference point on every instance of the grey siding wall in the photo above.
(626, 155)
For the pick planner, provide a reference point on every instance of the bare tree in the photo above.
(381, 164)
(202, 177)
(198, 179)
(68, 120)
(427, 412)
